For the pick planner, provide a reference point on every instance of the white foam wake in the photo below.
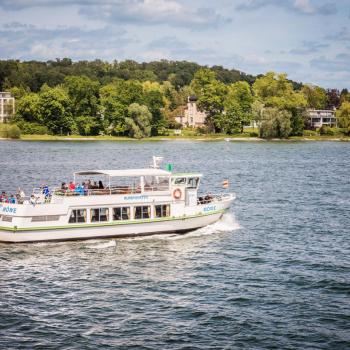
(103, 245)
(227, 223)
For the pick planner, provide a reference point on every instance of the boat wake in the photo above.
(227, 223)
(102, 245)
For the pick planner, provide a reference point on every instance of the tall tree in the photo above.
(333, 98)
(115, 99)
(238, 107)
(275, 123)
(55, 109)
(343, 116)
(344, 96)
(316, 97)
(83, 93)
(138, 122)
(211, 95)
(276, 91)
(28, 108)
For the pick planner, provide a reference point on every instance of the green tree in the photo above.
(276, 91)
(28, 108)
(114, 101)
(275, 123)
(333, 98)
(344, 96)
(87, 125)
(138, 122)
(238, 107)
(83, 93)
(316, 97)
(343, 116)
(55, 109)
(153, 99)
(211, 95)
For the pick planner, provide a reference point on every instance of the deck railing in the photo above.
(108, 191)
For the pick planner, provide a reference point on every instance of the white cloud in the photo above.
(305, 7)
(149, 12)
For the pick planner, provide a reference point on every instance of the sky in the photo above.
(307, 39)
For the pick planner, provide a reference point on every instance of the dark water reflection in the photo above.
(275, 273)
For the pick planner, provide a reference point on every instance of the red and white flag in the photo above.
(225, 184)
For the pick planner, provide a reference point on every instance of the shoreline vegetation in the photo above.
(210, 137)
(146, 101)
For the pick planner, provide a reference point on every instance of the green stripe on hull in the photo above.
(114, 223)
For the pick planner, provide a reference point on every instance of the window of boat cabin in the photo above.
(77, 215)
(142, 212)
(192, 182)
(156, 183)
(121, 213)
(162, 210)
(99, 214)
(179, 180)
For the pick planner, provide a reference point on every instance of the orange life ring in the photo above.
(177, 193)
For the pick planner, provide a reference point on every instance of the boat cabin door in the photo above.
(191, 191)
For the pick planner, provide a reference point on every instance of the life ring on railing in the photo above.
(177, 193)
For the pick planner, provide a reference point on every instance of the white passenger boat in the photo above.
(135, 202)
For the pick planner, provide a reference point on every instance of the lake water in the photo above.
(273, 274)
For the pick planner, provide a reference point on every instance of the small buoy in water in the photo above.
(225, 184)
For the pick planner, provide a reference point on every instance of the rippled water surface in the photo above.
(274, 273)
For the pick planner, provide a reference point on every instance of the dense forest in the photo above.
(143, 99)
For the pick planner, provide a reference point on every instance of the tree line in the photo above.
(143, 99)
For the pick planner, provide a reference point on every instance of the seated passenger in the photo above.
(100, 185)
(79, 190)
(71, 186)
(12, 199)
(32, 199)
(86, 188)
(208, 198)
(3, 196)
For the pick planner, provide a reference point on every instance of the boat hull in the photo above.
(116, 230)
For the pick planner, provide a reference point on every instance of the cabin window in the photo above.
(142, 212)
(121, 213)
(77, 215)
(7, 218)
(179, 181)
(45, 218)
(162, 211)
(99, 214)
(192, 182)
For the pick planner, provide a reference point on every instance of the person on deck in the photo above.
(46, 191)
(86, 188)
(100, 185)
(12, 199)
(79, 190)
(71, 186)
(3, 197)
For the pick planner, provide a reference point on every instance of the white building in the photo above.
(7, 107)
(322, 117)
(192, 115)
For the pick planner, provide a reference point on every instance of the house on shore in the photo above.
(321, 117)
(7, 107)
(192, 116)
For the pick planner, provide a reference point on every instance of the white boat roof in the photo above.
(126, 172)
